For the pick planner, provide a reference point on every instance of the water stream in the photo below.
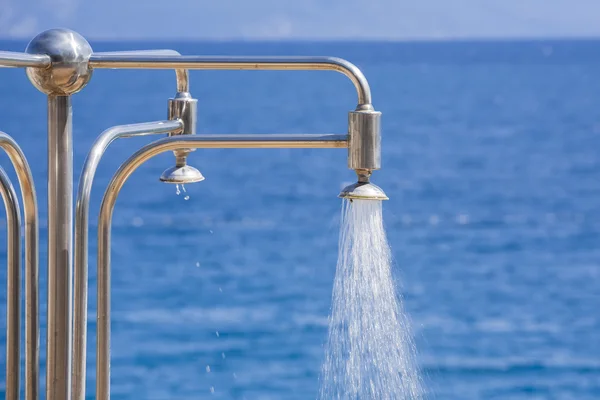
(369, 352)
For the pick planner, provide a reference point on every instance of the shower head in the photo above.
(363, 189)
(364, 154)
(184, 108)
(183, 174)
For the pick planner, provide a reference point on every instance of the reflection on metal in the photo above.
(80, 273)
(60, 62)
(30, 212)
(363, 189)
(13, 286)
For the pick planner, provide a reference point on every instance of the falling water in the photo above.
(369, 353)
(178, 192)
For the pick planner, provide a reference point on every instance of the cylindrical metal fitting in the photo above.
(185, 108)
(364, 140)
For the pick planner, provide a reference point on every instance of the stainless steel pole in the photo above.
(14, 59)
(60, 246)
(13, 286)
(80, 278)
(32, 317)
(183, 79)
(141, 61)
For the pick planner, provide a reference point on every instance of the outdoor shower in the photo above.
(60, 63)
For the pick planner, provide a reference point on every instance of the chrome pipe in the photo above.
(112, 192)
(241, 63)
(13, 286)
(183, 79)
(16, 59)
(68, 73)
(185, 108)
(364, 134)
(60, 247)
(30, 212)
(80, 270)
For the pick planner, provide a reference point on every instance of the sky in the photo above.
(303, 19)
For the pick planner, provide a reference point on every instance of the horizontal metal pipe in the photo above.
(183, 79)
(16, 59)
(250, 141)
(80, 272)
(242, 63)
(110, 198)
(13, 286)
(30, 212)
(152, 52)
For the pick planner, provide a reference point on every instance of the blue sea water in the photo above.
(491, 162)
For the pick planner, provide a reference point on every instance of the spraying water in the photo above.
(369, 354)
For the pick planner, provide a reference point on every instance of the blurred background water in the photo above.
(490, 159)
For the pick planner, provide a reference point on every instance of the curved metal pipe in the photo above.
(243, 63)
(110, 198)
(32, 330)
(183, 79)
(13, 286)
(80, 271)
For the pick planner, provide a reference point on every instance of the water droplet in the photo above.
(137, 222)
(212, 389)
(217, 333)
(211, 232)
(223, 355)
(221, 290)
(208, 368)
(234, 376)
(198, 264)
(177, 191)
(186, 197)
(183, 188)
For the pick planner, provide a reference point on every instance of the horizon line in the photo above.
(455, 39)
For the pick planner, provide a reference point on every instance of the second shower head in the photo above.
(181, 175)
(184, 108)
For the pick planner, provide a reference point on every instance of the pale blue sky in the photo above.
(307, 19)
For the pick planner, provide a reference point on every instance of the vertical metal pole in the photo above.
(13, 286)
(60, 246)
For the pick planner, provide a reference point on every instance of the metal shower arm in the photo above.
(16, 59)
(32, 331)
(183, 79)
(241, 63)
(13, 286)
(115, 186)
(80, 273)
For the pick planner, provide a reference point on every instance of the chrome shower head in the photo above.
(363, 189)
(183, 174)
(184, 108)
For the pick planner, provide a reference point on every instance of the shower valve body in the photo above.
(364, 137)
(185, 108)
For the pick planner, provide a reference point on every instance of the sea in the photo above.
(491, 161)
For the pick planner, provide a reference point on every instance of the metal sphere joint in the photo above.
(70, 54)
